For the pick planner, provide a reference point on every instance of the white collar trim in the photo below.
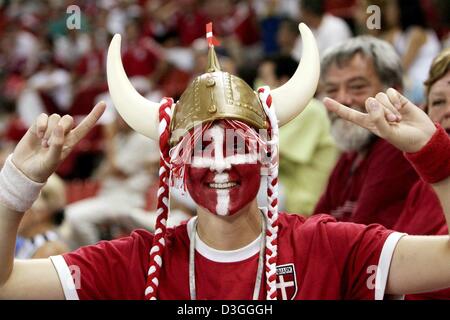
(224, 256)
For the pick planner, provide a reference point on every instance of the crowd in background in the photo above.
(47, 67)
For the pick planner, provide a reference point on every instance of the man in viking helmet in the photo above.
(232, 249)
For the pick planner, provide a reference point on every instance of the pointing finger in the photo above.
(346, 113)
(87, 124)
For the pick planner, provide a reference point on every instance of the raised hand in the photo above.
(392, 117)
(49, 140)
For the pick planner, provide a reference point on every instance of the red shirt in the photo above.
(373, 191)
(423, 213)
(318, 258)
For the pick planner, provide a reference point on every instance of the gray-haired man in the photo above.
(371, 179)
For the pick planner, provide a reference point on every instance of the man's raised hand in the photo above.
(392, 117)
(49, 140)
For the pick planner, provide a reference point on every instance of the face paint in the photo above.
(221, 182)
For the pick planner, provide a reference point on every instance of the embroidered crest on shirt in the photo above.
(286, 281)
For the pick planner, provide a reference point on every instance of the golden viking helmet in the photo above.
(214, 95)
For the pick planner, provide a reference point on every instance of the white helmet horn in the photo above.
(140, 114)
(291, 98)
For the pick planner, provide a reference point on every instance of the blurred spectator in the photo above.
(90, 66)
(190, 21)
(271, 14)
(119, 14)
(341, 8)
(417, 45)
(281, 8)
(38, 236)
(12, 129)
(20, 48)
(422, 205)
(70, 48)
(286, 37)
(236, 25)
(266, 73)
(327, 29)
(125, 179)
(138, 59)
(48, 90)
(405, 27)
(371, 179)
(182, 207)
(307, 150)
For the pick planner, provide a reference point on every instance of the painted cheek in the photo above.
(250, 179)
(198, 190)
(224, 202)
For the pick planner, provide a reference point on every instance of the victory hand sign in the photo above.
(392, 117)
(419, 263)
(49, 140)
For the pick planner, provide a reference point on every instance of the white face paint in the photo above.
(219, 162)
(223, 184)
(223, 195)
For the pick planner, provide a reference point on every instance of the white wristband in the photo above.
(17, 191)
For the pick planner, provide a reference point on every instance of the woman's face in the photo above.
(439, 102)
(223, 177)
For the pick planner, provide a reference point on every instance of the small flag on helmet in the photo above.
(212, 41)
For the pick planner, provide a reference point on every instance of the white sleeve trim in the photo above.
(384, 264)
(65, 277)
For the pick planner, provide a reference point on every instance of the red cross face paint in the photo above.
(224, 177)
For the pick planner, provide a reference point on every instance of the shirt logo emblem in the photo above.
(286, 281)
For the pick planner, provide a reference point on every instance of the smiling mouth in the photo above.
(448, 131)
(224, 185)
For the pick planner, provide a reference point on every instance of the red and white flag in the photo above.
(212, 41)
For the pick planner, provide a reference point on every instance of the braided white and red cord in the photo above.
(157, 249)
(272, 195)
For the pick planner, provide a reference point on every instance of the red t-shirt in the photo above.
(318, 258)
(372, 191)
(423, 213)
